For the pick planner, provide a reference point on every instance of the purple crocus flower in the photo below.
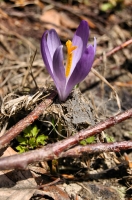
(80, 58)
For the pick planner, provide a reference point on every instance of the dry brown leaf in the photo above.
(113, 18)
(90, 23)
(8, 152)
(3, 14)
(14, 183)
(16, 194)
(128, 160)
(54, 192)
(52, 18)
(25, 2)
(67, 21)
(125, 84)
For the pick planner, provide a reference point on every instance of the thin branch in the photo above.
(113, 51)
(97, 148)
(54, 151)
(29, 119)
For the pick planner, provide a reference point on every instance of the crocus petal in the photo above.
(83, 33)
(46, 54)
(53, 41)
(79, 61)
(82, 69)
(59, 72)
(95, 44)
(80, 40)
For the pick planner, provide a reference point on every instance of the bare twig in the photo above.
(48, 184)
(29, 119)
(97, 148)
(53, 151)
(113, 51)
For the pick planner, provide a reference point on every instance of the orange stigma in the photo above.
(70, 50)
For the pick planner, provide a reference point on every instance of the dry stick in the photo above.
(97, 148)
(123, 45)
(54, 151)
(29, 119)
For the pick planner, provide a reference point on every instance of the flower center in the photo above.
(70, 49)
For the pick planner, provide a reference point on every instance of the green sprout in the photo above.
(30, 139)
(88, 140)
(111, 4)
(109, 138)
